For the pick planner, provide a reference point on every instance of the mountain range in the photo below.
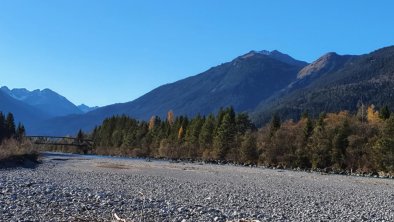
(37, 106)
(258, 82)
(46, 100)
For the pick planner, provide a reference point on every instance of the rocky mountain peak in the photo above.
(327, 62)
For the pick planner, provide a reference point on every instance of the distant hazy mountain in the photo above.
(84, 108)
(28, 115)
(333, 83)
(242, 83)
(45, 100)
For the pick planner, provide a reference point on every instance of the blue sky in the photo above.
(101, 52)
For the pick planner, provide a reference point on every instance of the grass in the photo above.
(13, 151)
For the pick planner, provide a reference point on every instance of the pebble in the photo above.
(78, 190)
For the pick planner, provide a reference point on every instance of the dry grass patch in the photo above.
(13, 148)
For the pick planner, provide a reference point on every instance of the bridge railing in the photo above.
(84, 144)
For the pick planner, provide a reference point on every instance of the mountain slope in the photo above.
(45, 100)
(343, 86)
(329, 62)
(28, 115)
(241, 83)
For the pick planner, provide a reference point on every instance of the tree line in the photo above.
(361, 142)
(225, 136)
(358, 142)
(8, 129)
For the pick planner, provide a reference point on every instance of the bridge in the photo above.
(84, 144)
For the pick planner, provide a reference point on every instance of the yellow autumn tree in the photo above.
(180, 133)
(152, 122)
(372, 115)
(170, 117)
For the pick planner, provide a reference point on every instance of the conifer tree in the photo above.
(340, 143)
(274, 124)
(249, 149)
(224, 138)
(206, 135)
(20, 131)
(384, 113)
(80, 135)
(10, 125)
(2, 127)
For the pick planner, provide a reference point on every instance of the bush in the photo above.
(13, 148)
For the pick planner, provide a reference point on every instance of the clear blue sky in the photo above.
(101, 52)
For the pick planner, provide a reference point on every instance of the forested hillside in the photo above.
(366, 79)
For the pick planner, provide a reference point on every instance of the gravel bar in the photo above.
(92, 188)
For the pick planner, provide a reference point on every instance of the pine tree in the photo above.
(192, 136)
(2, 127)
(206, 135)
(320, 145)
(249, 149)
(80, 136)
(308, 129)
(224, 138)
(20, 132)
(243, 123)
(274, 124)
(384, 113)
(340, 143)
(10, 125)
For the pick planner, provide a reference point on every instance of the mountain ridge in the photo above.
(260, 83)
(46, 100)
(242, 83)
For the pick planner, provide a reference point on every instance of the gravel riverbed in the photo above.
(85, 188)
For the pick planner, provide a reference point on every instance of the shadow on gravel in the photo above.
(25, 161)
(59, 159)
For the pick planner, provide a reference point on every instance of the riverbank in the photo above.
(67, 187)
(15, 153)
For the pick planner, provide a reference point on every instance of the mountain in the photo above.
(84, 108)
(24, 113)
(284, 58)
(46, 100)
(242, 83)
(329, 62)
(333, 83)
